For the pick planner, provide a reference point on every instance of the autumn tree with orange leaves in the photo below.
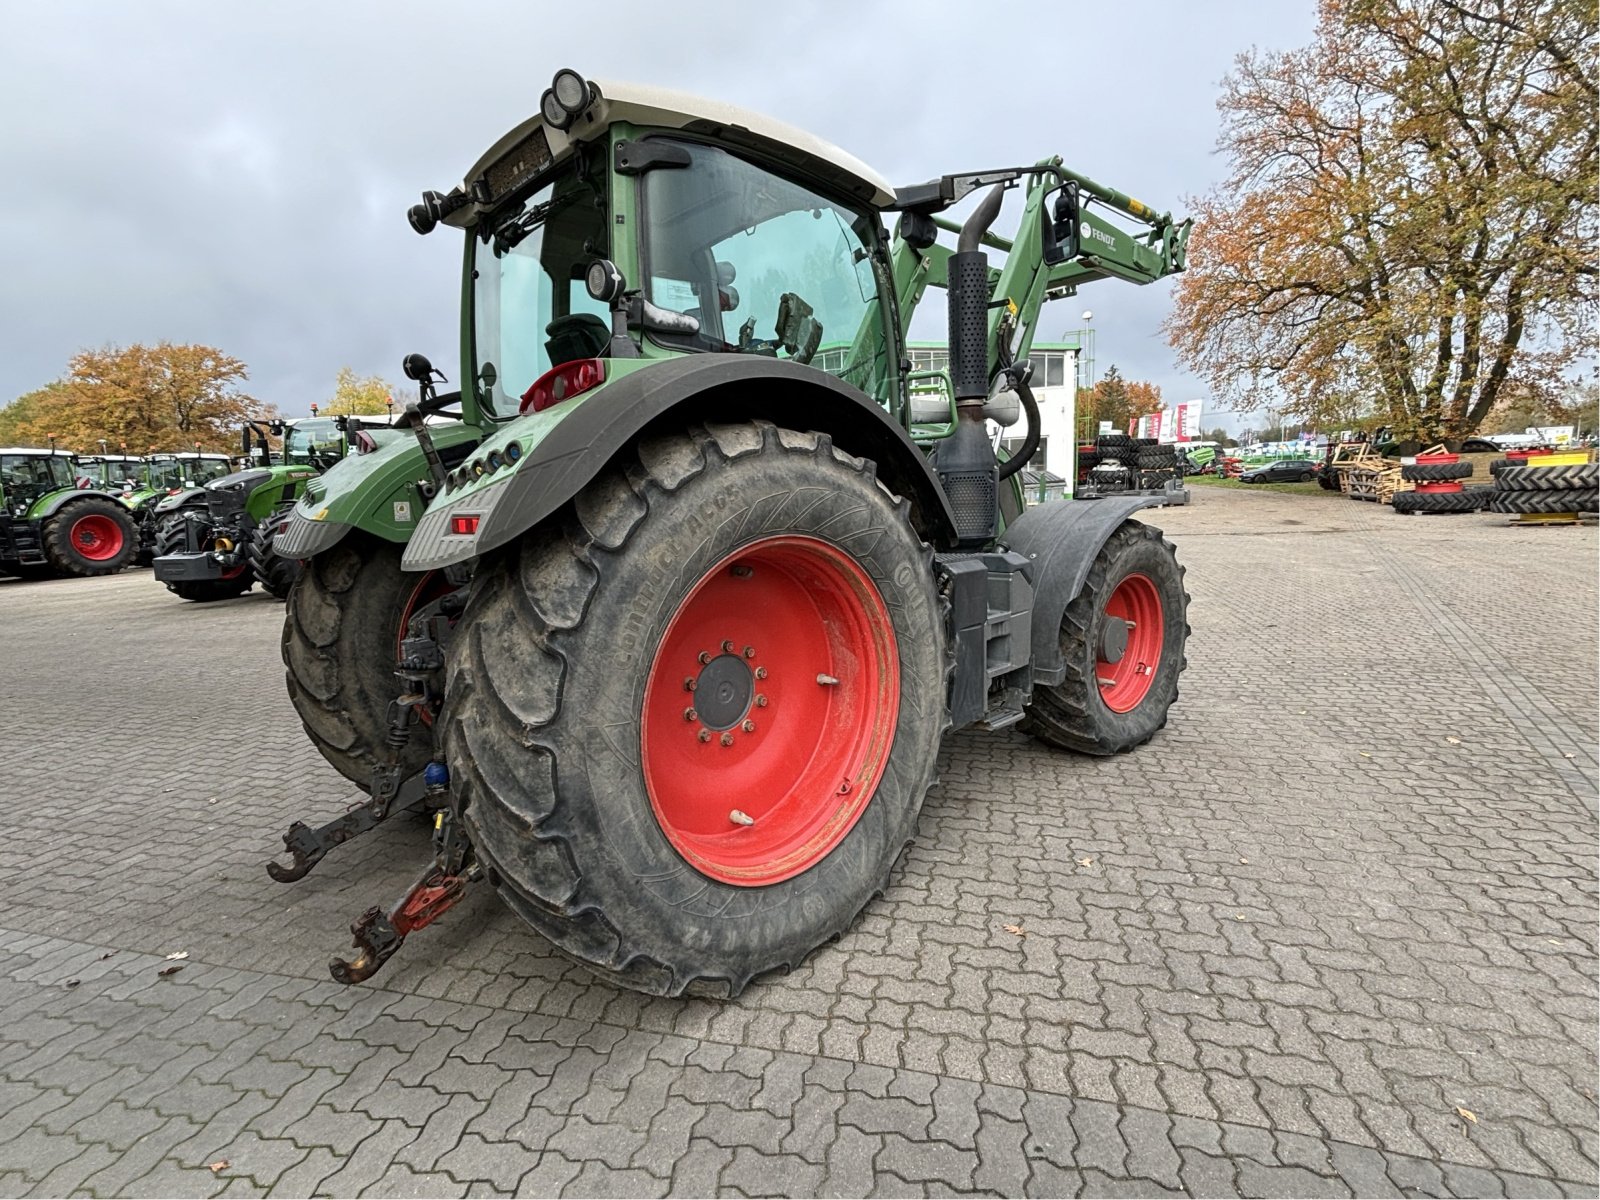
(1117, 400)
(1408, 231)
(161, 397)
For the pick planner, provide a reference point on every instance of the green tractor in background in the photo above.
(141, 483)
(667, 610)
(215, 541)
(52, 525)
(121, 473)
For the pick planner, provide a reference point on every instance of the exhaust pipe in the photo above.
(968, 472)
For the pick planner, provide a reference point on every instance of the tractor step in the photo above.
(999, 718)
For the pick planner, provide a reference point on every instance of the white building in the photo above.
(1055, 388)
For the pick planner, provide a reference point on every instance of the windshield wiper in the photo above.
(510, 234)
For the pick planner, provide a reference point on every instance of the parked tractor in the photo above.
(214, 542)
(668, 624)
(49, 525)
(111, 472)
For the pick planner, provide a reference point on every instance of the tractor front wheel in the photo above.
(691, 725)
(272, 571)
(91, 536)
(1123, 638)
(342, 630)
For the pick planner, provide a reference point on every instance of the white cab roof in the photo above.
(641, 104)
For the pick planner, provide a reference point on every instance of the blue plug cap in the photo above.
(436, 775)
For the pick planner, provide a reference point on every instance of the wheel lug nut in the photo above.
(689, 714)
(761, 701)
(705, 735)
(761, 672)
(688, 684)
(748, 727)
(727, 647)
(727, 739)
(749, 651)
(704, 656)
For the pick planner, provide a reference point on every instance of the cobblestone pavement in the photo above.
(1345, 900)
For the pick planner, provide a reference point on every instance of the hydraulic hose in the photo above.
(1030, 442)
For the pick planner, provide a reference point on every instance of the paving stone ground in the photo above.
(1348, 895)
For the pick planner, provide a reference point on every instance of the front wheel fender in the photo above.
(1060, 541)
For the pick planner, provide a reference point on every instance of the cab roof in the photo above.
(37, 451)
(641, 104)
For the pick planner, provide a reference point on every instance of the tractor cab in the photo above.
(52, 524)
(28, 476)
(312, 442)
(112, 472)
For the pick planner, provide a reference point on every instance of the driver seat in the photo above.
(575, 336)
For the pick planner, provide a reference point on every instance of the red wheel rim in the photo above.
(428, 589)
(1126, 671)
(96, 536)
(771, 700)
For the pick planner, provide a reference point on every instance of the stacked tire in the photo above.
(1156, 464)
(1546, 490)
(1438, 487)
(1113, 469)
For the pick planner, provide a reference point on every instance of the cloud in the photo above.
(239, 175)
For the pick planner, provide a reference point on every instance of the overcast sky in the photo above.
(238, 174)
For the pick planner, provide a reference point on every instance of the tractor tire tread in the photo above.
(515, 742)
(1435, 472)
(1549, 479)
(55, 537)
(273, 572)
(339, 652)
(1066, 715)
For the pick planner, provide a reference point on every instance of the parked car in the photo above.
(1288, 470)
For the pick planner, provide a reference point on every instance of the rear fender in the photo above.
(53, 503)
(1060, 541)
(380, 493)
(564, 447)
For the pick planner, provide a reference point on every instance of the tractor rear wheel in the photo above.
(273, 572)
(342, 630)
(172, 537)
(1123, 638)
(691, 724)
(90, 536)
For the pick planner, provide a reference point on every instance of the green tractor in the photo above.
(121, 473)
(51, 524)
(215, 541)
(141, 483)
(666, 612)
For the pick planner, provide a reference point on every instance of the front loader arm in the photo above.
(1106, 251)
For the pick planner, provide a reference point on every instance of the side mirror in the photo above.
(1062, 227)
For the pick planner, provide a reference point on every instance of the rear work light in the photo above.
(466, 525)
(563, 382)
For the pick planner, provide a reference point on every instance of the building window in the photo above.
(1049, 369)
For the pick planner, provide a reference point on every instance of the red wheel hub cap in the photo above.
(96, 536)
(1132, 634)
(769, 710)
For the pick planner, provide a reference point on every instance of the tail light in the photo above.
(563, 382)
